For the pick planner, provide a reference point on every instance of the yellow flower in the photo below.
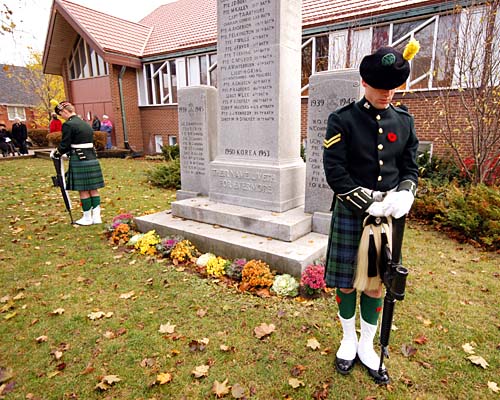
(411, 49)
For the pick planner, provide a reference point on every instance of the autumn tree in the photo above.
(7, 25)
(44, 86)
(469, 113)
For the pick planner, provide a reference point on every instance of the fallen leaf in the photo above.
(220, 389)
(200, 371)
(478, 361)
(421, 339)
(468, 348)
(313, 344)
(408, 350)
(163, 378)
(493, 387)
(238, 391)
(147, 362)
(297, 370)
(264, 330)
(5, 374)
(127, 295)
(58, 311)
(201, 312)
(167, 328)
(295, 383)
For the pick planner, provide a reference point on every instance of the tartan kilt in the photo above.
(84, 174)
(345, 233)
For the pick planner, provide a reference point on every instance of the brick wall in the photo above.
(158, 121)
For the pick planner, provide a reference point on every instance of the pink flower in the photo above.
(313, 277)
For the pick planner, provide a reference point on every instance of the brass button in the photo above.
(380, 131)
(380, 146)
(379, 178)
(377, 117)
(381, 162)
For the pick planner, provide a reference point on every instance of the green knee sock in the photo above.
(86, 204)
(96, 201)
(370, 308)
(347, 303)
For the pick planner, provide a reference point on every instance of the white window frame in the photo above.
(14, 112)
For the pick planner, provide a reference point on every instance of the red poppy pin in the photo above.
(392, 137)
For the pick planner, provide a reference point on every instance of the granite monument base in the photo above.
(283, 257)
(286, 226)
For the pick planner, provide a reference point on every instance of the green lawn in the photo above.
(54, 275)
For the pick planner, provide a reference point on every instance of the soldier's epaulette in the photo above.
(402, 109)
(345, 108)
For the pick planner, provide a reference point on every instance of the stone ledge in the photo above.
(286, 226)
(284, 257)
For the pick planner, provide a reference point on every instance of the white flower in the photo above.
(134, 239)
(285, 285)
(204, 258)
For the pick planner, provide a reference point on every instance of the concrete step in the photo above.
(287, 226)
(283, 257)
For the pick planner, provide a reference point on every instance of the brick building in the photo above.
(16, 100)
(131, 71)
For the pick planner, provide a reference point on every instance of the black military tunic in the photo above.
(365, 149)
(84, 169)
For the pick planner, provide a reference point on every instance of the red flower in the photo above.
(392, 137)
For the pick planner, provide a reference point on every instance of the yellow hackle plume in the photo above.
(411, 49)
(53, 103)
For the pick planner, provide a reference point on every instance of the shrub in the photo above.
(439, 170)
(39, 137)
(170, 153)
(472, 212)
(54, 139)
(167, 176)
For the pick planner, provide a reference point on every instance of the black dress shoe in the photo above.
(380, 377)
(344, 366)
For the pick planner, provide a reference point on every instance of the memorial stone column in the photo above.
(258, 161)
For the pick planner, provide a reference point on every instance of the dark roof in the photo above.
(12, 91)
(185, 25)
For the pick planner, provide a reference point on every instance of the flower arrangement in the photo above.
(204, 259)
(216, 266)
(256, 274)
(183, 251)
(313, 279)
(133, 240)
(167, 244)
(234, 269)
(120, 234)
(147, 243)
(285, 285)
(125, 218)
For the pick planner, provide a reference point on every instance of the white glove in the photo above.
(399, 203)
(54, 154)
(379, 209)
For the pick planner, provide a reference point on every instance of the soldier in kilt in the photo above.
(370, 163)
(84, 173)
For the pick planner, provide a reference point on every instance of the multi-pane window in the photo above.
(449, 44)
(84, 62)
(160, 80)
(16, 112)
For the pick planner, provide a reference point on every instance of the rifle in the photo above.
(394, 279)
(60, 181)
